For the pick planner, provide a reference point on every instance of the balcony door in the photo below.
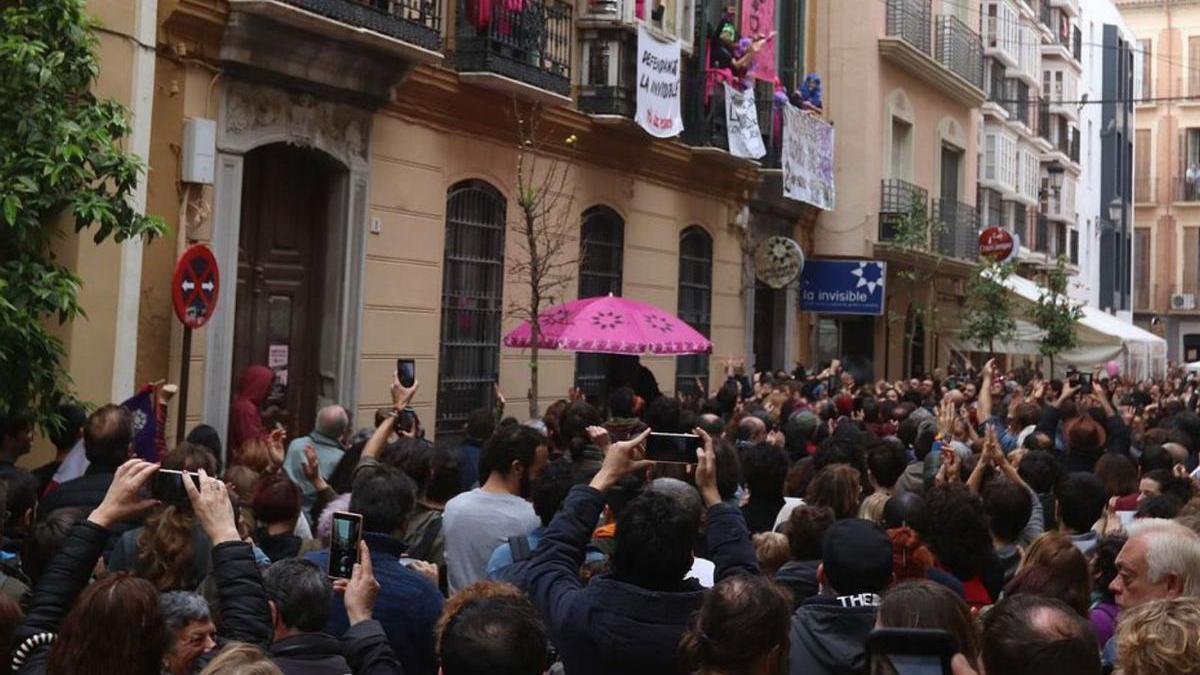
(951, 165)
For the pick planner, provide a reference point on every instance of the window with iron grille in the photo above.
(472, 302)
(601, 261)
(695, 303)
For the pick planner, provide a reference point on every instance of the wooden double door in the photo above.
(281, 299)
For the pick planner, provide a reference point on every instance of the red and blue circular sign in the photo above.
(195, 286)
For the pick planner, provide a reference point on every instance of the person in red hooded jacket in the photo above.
(245, 415)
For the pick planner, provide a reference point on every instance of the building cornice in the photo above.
(903, 54)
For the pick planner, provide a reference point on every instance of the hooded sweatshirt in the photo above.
(612, 626)
(829, 634)
(245, 420)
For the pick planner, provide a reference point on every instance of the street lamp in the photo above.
(1115, 209)
(1055, 173)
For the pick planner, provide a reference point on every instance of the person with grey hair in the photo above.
(326, 442)
(1160, 560)
(191, 628)
(690, 504)
(301, 599)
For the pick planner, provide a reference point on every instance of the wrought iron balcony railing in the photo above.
(958, 228)
(960, 50)
(911, 21)
(529, 41)
(418, 22)
(897, 199)
(1187, 189)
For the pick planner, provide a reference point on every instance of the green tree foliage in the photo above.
(60, 164)
(989, 316)
(913, 234)
(1056, 314)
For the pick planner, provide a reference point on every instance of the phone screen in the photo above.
(678, 448)
(915, 664)
(168, 486)
(1085, 383)
(407, 370)
(343, 549)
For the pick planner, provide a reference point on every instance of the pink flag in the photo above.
(758, 20)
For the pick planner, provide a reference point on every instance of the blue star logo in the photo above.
(870, 274)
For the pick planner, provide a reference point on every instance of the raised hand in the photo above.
(210, 503)
(123, 500)
(622, 459)
(401, 395)
(706, 468)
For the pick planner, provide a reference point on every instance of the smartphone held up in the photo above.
(343, 548)
(672, 448)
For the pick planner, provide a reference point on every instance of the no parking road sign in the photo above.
(195, 286)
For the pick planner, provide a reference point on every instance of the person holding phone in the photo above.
(631, 620)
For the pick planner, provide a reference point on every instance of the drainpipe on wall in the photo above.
(129, 288)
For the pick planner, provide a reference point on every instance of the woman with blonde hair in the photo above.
(1161, 637)
(240, 658)
(170, 550)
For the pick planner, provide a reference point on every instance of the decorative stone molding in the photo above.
(258, 114)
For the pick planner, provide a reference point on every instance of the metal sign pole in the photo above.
(184, 370)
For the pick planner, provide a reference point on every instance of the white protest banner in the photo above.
(807, 158)
(741, 120)
(658, 85)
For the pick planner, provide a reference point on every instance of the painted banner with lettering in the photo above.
(758, 20)
(741, 120)
(807, 158)
(658, 85)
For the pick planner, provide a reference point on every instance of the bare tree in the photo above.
(544, 262)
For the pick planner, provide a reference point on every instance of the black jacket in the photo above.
(610, 626)
(829, 635)
(85, 492)
(245, 615)
(800, 576)
(363, 650)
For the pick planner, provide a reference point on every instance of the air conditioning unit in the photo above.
(1183, 301)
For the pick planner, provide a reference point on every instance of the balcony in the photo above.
(958, 229)
(959, 50)
(1059, 206)
(1187, 191)
(608, 70)
(525, 52)
(898, 199)
(909, 44)
(704, 125)
(407, 28)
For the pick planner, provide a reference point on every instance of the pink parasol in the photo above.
(611, 325)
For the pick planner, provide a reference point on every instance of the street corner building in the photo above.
(352, 165)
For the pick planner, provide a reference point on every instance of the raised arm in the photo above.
(728, 537)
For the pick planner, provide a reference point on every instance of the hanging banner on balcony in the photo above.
(741, 120)
(807, 158)
(758, 21)
(658, 85)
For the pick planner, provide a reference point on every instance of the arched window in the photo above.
(695, 302)
(472, 302)
(601, 260)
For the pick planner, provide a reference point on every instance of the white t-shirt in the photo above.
(475, 523)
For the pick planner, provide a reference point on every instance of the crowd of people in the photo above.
(1033, 524)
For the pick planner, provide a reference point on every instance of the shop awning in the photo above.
(1102, 338)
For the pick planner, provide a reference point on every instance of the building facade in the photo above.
(1105, 200)
(905, 82)
(1166, 223)
(362, 198)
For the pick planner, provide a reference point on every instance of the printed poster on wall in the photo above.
(741, 119)
(758, 19)
(658, 85)
(807, 158)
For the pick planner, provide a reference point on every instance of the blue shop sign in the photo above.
(843, 286)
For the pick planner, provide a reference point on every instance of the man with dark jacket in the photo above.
(631, 620)
(480, 425)
(300, 596)
(829, 630)
(107, 440)
(409, 604)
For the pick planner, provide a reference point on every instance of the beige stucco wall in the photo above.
(413, 165)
